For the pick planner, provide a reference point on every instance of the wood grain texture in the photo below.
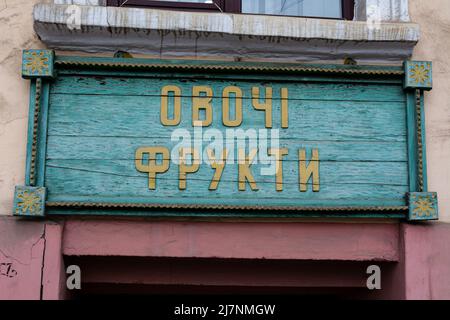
(96, 123)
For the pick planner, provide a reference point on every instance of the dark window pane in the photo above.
(307, 8)
(193, 1)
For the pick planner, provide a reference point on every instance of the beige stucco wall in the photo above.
(16, 33)
(434, 19)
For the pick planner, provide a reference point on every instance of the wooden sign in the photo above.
(146, 137)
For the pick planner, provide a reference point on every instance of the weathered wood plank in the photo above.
(394, 173)
(341, 181)
(125, 86)
(123, 148)
(96, 124)
(140, 117)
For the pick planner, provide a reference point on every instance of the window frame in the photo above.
(228, 6)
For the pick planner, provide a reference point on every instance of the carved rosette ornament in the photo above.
(38, 64)
(29, 201)
(418, 75)
(423, 206)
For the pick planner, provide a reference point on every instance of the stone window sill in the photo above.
(175, 33)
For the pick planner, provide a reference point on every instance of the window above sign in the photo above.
(335, 9)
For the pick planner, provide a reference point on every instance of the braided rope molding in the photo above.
(37, 110)
(419, 139)
(299, 69)
(106, 205)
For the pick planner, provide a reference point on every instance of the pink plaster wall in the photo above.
(31, 264)
(427, 261)
(236, 240)
(415, 258)
(421, 252)
(21, 258)
(54, 279)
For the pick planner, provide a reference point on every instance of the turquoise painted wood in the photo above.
(92, 115)
(412, 141)
(89, 115)
(37, 124)
(423, 155)
(219, 214)
(97, 119)
(101, 115)
(28, 162)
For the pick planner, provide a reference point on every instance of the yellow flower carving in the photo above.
(420, 74)
(28, 202)
(37, 62)
(423, 207)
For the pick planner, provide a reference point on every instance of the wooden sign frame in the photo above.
(42, 67)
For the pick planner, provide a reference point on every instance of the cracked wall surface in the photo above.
(434, 19)
(22, 246)
(16, 34)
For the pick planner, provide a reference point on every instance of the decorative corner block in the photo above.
(29, 201)
(38, 64)
(418, 75)
(423, 206)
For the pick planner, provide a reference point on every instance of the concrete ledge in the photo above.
(271, 241)
(176, 33)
